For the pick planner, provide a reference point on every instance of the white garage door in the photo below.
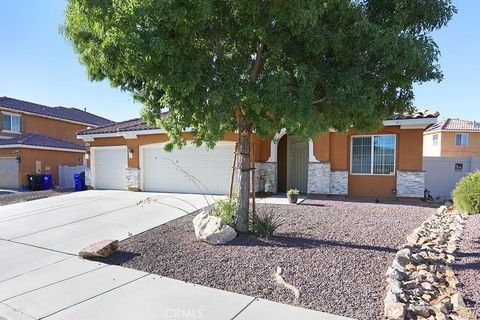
(8, 173)
(110, 164)
(212, 168)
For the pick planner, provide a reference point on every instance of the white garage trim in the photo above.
(143, 148)
(93, 150)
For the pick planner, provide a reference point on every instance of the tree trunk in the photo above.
(244, 133)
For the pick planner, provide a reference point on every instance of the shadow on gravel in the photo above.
(410, 203)
(118, 257)
(291, 241)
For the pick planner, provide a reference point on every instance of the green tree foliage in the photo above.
(260, 65)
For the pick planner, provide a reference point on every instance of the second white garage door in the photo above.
(109, 164)
(213, 168)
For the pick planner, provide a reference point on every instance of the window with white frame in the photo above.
(435, 139)
(461, 139)
(373, 155)
(11, 122)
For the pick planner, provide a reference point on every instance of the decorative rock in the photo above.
(212, 230)
(100, 249)
(420, 283)
(422, 311)
(427, 286)
(442, 209)
(457, 302)
(395, 310)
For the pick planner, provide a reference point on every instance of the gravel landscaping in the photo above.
(467, 265)
(9, 197)
(336, 252)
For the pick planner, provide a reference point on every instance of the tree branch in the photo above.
(319, 100)
(258, 63)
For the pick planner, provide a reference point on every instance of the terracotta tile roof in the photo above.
(139, 124)
(455, 125)
(72, 114)
(38, 140)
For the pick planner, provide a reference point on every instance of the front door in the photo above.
(297, 164)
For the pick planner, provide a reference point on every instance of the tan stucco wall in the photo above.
(50, 160)
(49, 127)
(429, 150)
(449, 149)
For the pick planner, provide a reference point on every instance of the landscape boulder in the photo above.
(100, 249)
(212, 230)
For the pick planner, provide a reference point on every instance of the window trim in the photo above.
(462, 134)
(435, 141)
(372, 136)
(19, 116)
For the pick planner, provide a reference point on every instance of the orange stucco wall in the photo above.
(329, 146)
(449, 149)
(49, 160)
(49, 127)
(335, 147)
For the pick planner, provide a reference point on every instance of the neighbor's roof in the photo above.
(138, 124)
(62, 113)
(38, 140)
(455, 125)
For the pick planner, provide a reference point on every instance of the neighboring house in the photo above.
(451, 149)
(452, 138)
(385, 163)
(37, 139)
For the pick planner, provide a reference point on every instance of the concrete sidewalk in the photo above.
(42, 278)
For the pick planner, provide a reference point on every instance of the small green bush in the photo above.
(292, 192)
(264, 223)
(225, 210)
(466, 195)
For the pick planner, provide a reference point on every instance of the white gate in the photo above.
(443, 173)
(65, 176)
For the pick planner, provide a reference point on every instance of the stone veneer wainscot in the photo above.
(410, 183)
(264, 171)
(318, 177)
(132, 178)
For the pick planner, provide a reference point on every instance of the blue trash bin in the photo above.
(47, 181)
(78, 182)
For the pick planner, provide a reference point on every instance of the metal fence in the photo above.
(443, 173)
(65, 176)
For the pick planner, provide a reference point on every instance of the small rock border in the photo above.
(421, 283)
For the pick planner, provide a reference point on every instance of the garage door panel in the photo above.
(8, 173)
(110, 167)
(162, 171)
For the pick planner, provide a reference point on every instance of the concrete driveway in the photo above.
(41, 276)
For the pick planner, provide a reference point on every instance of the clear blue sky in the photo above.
(38, 65)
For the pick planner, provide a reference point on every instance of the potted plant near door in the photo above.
(292, 195)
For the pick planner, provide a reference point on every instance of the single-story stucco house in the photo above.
(387, 163)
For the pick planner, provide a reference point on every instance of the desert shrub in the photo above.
(264, 222)
(225, 209)
(292, 192)
(466, 195)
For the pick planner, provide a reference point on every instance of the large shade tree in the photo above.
(260, 65)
